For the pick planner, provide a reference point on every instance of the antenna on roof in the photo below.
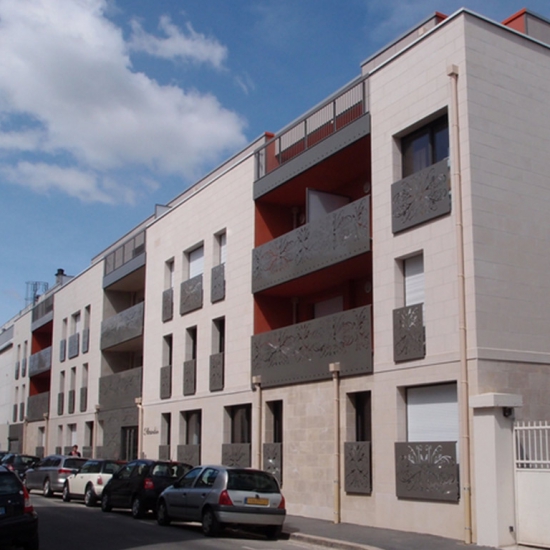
(35, 289)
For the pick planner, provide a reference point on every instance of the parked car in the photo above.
(138, 484)
(50, 473)
(18, 520)
(19, 463)
(219, 495)
(89, 481)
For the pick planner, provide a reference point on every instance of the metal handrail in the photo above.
(328, 118)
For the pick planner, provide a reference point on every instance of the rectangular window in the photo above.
(413, 269)
(75, 323)
(87, 315)
(71, 435)
(274, 422)
(432, 413)
(191, 344)
(425, 146)
(195, 262)
(72, 381)
(218, 335)
(62, 381)
(169, 274)
(165, 428)
(241, 423)
(84, 376)
(41, 436)
(220, 248)
(167, 350)
(89, 434)
(191, 425)
(363, 416)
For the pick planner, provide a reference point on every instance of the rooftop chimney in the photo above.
(60, 276)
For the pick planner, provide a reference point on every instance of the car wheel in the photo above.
(66, 493)
(137, 508)
(273, 532)
(106, 503)
(163, 518)
(47, 489)
(210, 525)
(90, 497)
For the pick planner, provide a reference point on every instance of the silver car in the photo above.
(50, 473)
(218, 496)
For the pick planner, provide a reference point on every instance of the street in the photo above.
(70, 526)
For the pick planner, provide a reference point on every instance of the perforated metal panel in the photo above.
(73, 345)
(423, 196)
(62, 350)
(37, 406)
(40, 361)
(427, 471)
(71, 401)
(167, 305)
(357, 467)
(191, 295)
(124, 326)
(60, 403)
(83, 399)
(409, 336)
(189, 454)
(189, 377)
(164, 452)
(216, 372)
(236, 454)
(273, 460)
(217, 290)
(166, 382)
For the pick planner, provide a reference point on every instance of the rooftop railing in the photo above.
(327, 119)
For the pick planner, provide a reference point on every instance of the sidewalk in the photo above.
(346, 536)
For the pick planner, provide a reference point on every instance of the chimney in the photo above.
(59, 276)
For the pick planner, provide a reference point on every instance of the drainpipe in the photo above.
(24, 435)
(257, 386)
(139, 403)
(46, 417)
(94, 434)
(465, 474)
(335, 369)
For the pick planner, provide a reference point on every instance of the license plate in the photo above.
(257, 501)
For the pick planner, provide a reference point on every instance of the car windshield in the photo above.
(9, 485)
(244, 480)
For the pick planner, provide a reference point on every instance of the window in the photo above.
(75, 323)
(89, 434)
(274, 422)
(361, 402)
(191, 344)
(71, 435)
(62, 381)
(425, 146)
(220, 248)
(241, 423)
(169, 274)
(432, 413)
(195, 262)
(84, 383)
(165, 428)
(218, 335)
(167, 349)
(413, 271)
(191, 424)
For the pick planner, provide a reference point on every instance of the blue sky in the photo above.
(108, 107)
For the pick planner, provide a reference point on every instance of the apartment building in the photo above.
(358, 303)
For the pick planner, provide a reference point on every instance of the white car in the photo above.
(89, 481)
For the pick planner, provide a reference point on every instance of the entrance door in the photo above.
(129, 445)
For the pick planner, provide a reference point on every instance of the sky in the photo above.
(108, 107)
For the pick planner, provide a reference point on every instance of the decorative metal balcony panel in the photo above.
(6, 338)
(236, 454)
(189, 377)
(126, 325)
(62, 350)
(14, 414)
(60, 403)
(273, 460)
(357, 467)
(191, 295)
(421, 197)
(217, 290)
(87, 450)
(42, 309)
(37, 406)
(166, 382)
(189, 454)
(85, 340)
(302, 352)
(74, 345)
(164, 452)
(21, 412)
(127, 258)
(83, 399)
(217, 372)
(72, 397)
(427, 471)
(40, 362)
(120, 390)
(23, 367)
(409, 335)
(17, 366)
(39, 451)
(340, 235)
(167, 305)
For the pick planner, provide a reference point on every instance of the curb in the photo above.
(330, 543)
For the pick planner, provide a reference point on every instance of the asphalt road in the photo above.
(72, 526)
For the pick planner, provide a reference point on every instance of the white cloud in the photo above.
(191, 46)
(65, 68)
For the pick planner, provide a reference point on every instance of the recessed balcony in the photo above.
(120, 331)
(40, 361)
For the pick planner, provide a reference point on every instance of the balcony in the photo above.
(336, 237)
(37, 406)
(122, 328)
(409, 335)
(40, 362)
(335, 124)
(118, 391)
(302, 352)
(421, 197)
(124, 260)
(42, 313)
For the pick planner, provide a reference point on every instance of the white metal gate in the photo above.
(532, 465)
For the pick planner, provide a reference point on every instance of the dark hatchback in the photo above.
(18, 520)
(19, 463)
(138, 484)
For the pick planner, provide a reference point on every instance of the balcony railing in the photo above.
(336, 237)
(125, 253)
(327, 119)
(73, 345)
(409, 335)
(37, 406)
(273, 460)
(166, 382)
(357, 467)
(119, 391)
(236, 454)
(189, 454)
(42, 309)
(302, 352)
(40, 362)
(189, 377)
(217, 371)
(191, 294)
(124, 326)
(167, 305)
